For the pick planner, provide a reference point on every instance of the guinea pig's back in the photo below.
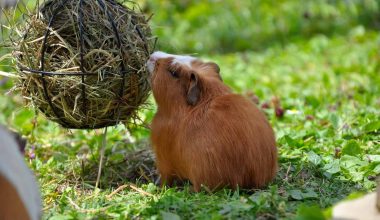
(248, 139)
(240, 113)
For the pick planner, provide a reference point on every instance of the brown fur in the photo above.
(206, 134)
(11, 205)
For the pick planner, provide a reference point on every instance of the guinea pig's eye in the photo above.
(174, 73)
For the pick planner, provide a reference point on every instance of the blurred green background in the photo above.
(223, 26)
(226, 26)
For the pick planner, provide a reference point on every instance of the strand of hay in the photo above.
(107, 51)
(102, 149)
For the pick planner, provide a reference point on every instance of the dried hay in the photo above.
(138, 166)
(82, 63)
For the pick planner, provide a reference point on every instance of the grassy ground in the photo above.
(328, 140)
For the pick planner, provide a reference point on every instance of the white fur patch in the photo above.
(178, 59)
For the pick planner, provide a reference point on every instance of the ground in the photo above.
(327, 122)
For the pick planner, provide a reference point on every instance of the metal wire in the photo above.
(82, 72)
(114, 28)
(42, 67)
(81, 30)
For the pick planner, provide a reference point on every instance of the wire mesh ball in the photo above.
(82, 62)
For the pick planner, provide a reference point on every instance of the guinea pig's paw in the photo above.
(196, 188)
(199, 187)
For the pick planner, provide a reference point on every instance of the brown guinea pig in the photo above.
(19, 193)
(203, 132)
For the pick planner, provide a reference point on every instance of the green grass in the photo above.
(328, 139)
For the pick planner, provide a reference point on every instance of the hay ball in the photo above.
(82, 62)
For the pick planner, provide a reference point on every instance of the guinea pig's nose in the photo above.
(151, 63)
(152, 59)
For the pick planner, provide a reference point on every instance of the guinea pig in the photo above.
(7, 3)
(19, 192)
(204, 133)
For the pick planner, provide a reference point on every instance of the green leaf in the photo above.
(314, 158)
(309, 194)
(352, 148)
(256, 198)
(349, 162)
(306, 212)
(374, 157)
(291, 142)
(373, 168)
(299, 195)
(334, 120)
(296, 194)
(260, 198)
(313, 101)
(372, 126)
(60, 217)
(226, 209)
(376, 170)
(169, 216)
(22, 120)
(357, 176)
(332, 167)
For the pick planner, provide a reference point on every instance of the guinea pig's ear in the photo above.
(216, 68)
(194, 90)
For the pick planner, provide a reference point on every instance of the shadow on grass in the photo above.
(297, 182)
(135, 166)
